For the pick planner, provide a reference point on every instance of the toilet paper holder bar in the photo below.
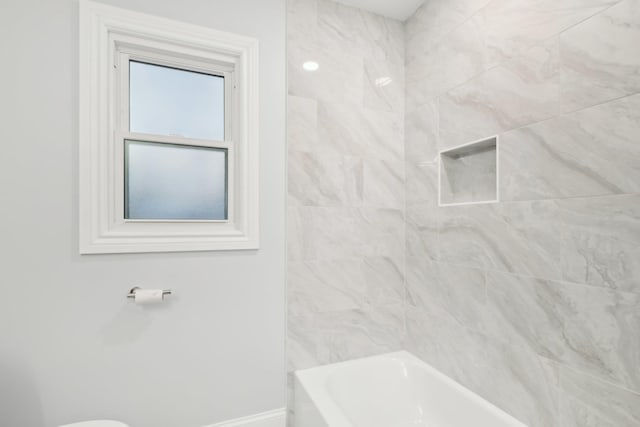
(132, 292)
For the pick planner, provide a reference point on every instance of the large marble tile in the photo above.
(383, 184)
(575, 414)
(510, 377)
(384, 40)
(328, 233)
(302, 123)
(592, 240)
(419, 275)
(511, 26)
(588, 402)
(421, 182)
(438, 339)
(456, 59)
(324, 233)
(516, 380)
(459, 291)
(595, 241)
(326, 179)
(383, 86)
(422, 79)
(478, 236)
(320, 286)
(459, 56)
(342, 129)
(339, 78)
(421, 134)
(341, 27)
(353, 130)
(345, 335)
(433, 21)
(523, 90)
(384, 135)
(302, 351)
(302, 21)
(384, 280)
(345, 284)
(422, 230)
(592, 329)
(600, 57)
(358, 32)
(592, 152)
(381, 231)
(317, 338)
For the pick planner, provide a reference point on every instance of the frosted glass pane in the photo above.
(166, 181)
(169, 101)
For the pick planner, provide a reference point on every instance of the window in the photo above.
(173, 126)
(168, 135)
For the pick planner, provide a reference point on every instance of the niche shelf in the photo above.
(468, 173)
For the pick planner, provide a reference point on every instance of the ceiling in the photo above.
(396, 9)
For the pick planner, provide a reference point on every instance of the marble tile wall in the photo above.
(534, 302)
(346, 184)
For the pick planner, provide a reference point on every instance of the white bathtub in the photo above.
(391, 390)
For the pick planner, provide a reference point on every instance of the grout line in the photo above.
(570, 112)
(405, 301)
(590, 16)
(593, 377)
(518, 54)
(528, 276)
(558, 199)
(544, 200)
(446, 34)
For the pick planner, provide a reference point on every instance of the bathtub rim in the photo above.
(334, 416)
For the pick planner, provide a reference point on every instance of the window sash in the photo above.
(122, 125)
(120, 172)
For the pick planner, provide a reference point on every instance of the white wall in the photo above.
(72, 347)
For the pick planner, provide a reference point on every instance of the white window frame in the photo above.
(109, 38)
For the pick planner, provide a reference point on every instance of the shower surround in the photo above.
(532, 302)
(346, 184)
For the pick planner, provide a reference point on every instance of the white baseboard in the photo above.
(274, 418)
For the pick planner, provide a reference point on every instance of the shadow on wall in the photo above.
(130, 323)
(20, 403)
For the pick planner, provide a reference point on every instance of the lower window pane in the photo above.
(175, 182)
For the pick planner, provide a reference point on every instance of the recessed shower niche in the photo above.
(468, 173)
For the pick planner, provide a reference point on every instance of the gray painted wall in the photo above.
(533, 302)
(72, 347)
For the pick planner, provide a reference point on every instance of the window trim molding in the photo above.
(102, 229)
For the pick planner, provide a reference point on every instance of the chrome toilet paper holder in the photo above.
(132, 292)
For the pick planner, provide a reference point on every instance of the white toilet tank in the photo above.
(97, 423)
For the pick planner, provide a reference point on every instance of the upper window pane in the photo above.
(170, 101)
